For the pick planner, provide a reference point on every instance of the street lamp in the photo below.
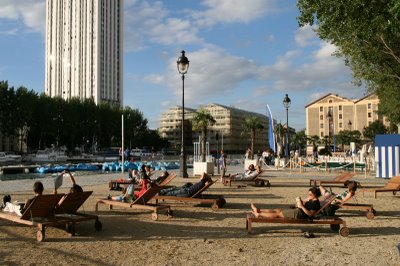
(286, 104)
(330, 118)
(183, 65)
(349, 124)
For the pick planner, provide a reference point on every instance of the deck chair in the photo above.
(68, 208)
(141, 203)
(393, 185)
(39, 213)
(257, 180)
(340, 179)
(216, 201)
(318, 218)
(119, 183)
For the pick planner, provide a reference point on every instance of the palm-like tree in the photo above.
(201, 120)
(251, 125)
(279, 131)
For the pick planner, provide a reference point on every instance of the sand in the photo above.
(196, 235)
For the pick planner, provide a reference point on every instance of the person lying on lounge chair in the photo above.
(188, 189)
(127, 196)
(249, 174)
(340, 198)
(305, 209)
(75, 187)
(19, 208)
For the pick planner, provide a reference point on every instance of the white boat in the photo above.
(49, 155)
(6, 157)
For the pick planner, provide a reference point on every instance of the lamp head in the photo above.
(183, 63)
(286, 101)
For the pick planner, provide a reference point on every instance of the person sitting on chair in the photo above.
(188, 189)
(251, 173)
(75, 187)
(20, 208)
(304, 209)
(340, 198)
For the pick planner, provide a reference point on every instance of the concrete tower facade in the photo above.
(84, 50)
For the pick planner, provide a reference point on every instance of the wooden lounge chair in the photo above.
(141, 203)
(216, 201)
(393, 185)
(368, 208)
(258, 181)
(68, 208)
(39, 213)
(119, 183)
(334, 221)
(340, 179)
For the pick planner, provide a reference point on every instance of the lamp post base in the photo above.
(183, 167)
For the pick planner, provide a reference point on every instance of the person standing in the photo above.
(222, 165)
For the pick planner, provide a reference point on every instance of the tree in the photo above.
(201, 120)
(366, 34)
(279, 131)
(251, 125)
(376, 127)
(299, 140)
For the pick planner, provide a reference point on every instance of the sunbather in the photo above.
(75, 187)
(188, 189)
(249, 174)
(128, 196)
(340, 198)
(20, 208)
(304, 210)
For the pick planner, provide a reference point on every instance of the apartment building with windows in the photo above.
(330, 114)
(84, 50)
(229, 126)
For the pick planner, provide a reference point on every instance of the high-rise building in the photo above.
(84, 41)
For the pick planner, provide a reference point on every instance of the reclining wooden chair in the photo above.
(141, 203)
(257, 180)
(393, 185)
(340, 179)
(216, 201)
(68, 208)
(334, 221)
(39, 213)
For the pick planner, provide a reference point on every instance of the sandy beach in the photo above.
(197, 235)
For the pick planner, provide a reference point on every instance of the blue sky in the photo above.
(242, 53)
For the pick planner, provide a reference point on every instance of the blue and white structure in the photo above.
(387, 155)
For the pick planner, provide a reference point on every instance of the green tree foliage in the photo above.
(54, 122)
(201, 120)
(344, 137)
(367, 36)
(251, 125)
(376, 127)
(299, 141)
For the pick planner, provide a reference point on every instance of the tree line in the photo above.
(44, 122)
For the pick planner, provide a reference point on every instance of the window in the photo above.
(321, 125)
(340, 125)
(340, 116)
(322, 134)
(330, 101)
(340, 108)
(321, 109)
(369, 115)
(321, 117)
(369, 105)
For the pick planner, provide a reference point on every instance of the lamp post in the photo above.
(330, 118)
(286, 104)
(350, 124)
(183, 65)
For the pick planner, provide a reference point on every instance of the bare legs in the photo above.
(267, 213)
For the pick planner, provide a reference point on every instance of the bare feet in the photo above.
(254, 208)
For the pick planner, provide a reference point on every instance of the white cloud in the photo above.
(230, 11)
(31, 12)
(211, 73)
(306, 36)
